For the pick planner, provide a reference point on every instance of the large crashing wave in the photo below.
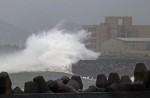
(53, 50)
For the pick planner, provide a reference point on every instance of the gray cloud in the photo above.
(37, 14)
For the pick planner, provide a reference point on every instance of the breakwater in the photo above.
(114, 83)
(90, 68)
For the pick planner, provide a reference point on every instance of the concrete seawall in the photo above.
(65, 87)
(84, 95)
(90, 68)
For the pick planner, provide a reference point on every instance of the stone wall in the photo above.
(90, 68)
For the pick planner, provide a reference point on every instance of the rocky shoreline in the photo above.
(38, 85)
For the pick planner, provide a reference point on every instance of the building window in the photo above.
(132, 46)
(120, 22)
(148, 46)
(92, 30)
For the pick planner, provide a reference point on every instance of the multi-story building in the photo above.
(114, 27)
(126, 47)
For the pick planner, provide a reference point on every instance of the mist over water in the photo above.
(53, 50)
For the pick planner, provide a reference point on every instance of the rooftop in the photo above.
(135, 39)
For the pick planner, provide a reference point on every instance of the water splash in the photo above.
(53, 50)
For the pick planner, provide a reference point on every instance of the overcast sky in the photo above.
(32, 14)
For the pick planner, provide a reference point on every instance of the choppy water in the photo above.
(18, 79)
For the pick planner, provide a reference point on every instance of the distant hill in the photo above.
(10, 34)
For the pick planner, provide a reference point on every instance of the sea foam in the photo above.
(53, 50)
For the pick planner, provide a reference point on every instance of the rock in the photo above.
(138, 86)
(53, 86)
(125, 79)
(66, 89)
(139, 72)
(147, 81)
(78, 79)
(5, 84)
(43, 87)
(65, 79)
(114, 87)
(59, 81)
(60, 87)
(125, 86)
(17, 90)
(31, 87)
(102, 81)
(92, 88)
(74, 84)
(113, 78)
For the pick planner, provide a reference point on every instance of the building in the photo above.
(114, 27)
(126, 47)
(95, 39)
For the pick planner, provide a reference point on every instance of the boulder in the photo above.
(139, 72)
(125, 86)
(5, 84)
(43, 87)
(147, 81)
(113, 78)
(114, 87)
(53, 86)
(59, 81)
(138, 86)
(31, 87)
(74, 84)
(92, 88)
(65, 79)
(125, 79)
(78, 79)
(66, 89)
(102, 81)
(17, 90)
